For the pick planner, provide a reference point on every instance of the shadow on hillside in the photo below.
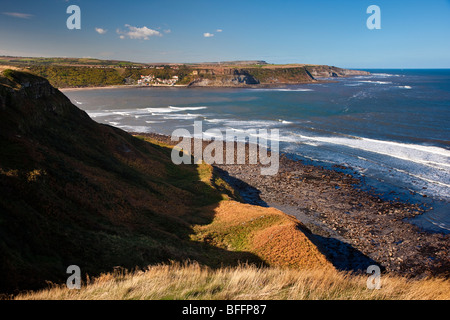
(104, 199)
(173, 231)
(112, 200)
(342, 255)
(248, 193)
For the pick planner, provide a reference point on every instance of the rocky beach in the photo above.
(352, 227)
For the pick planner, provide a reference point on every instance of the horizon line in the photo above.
(217, 62)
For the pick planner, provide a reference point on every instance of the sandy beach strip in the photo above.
(127, 86)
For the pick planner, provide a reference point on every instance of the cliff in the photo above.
(265, 75)
(226, 77)
(76, 192)
(329, 72)
(73, 191)
(73, 72)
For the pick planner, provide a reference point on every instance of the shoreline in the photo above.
(352, 227)
(120, 86)
(258, 86)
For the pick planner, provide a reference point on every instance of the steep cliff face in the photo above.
(73, 191)
(267, 75)
(282, 75)
(333, 72)
(29, 103)
(76, 192)
(224, 78)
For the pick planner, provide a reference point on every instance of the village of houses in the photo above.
(150, 80)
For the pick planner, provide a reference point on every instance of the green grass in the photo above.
(92, 203)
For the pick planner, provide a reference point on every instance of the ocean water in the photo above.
(392, 128)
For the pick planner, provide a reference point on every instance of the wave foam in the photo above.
(431, 156)
(171, 109)
(376, 82)
(181, 116)
(256, 124)
(385, 75)
(134, 128)
(353, 84)
(284, 90)
(187, 108)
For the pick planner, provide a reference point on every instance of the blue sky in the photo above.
(413, 34)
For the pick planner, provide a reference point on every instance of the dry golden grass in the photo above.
(192, 281)
(4, 67)
(269, 233)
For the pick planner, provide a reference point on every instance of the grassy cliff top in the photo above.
(73, 191)
(191, 281)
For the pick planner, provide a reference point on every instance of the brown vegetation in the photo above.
(277, 238)
(73, 191)
(193, 281)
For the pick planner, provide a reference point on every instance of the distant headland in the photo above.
(89, 72)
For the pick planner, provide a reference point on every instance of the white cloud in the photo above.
(167, 31)
(18, 15)
(219, 30)
(101, 30)
(143, 33)
(208, 35)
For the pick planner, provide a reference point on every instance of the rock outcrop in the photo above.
(266, 75)
(226, 78)
(333, 72)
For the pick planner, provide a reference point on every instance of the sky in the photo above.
(413, 34)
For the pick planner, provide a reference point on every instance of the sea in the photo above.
(390, 128)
